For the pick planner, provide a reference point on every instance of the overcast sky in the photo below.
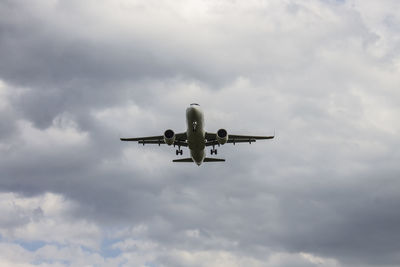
(77, 75)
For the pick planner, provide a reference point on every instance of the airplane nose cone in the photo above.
(189, 111)
(192, 112)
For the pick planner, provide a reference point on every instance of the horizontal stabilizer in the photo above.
(212, 160)
(183, 160)
(191, 160)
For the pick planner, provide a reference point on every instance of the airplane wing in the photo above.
(180, 139)
(234, 138)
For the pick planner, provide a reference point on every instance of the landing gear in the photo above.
(213, 150)
(179, 151)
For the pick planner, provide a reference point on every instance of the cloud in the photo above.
(46, 218)
(40, 230)
(74, 77)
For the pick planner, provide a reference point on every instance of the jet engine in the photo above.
(169, 137)
(222, 136)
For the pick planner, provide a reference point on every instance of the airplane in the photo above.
(196, 138)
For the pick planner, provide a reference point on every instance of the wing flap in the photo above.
(138, 139)
(215, 143)
(238, 137)
(158, 142)
(180, 139)
(145, 138)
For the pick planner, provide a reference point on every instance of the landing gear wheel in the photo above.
(179, 152)
(213, 151)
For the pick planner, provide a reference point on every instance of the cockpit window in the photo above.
(194, 104)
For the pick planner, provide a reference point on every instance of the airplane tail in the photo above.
(191, 160)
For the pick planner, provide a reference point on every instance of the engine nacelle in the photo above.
(222, 136)
(169, 137)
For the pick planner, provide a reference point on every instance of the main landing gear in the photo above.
(213, 151)
(179, 152)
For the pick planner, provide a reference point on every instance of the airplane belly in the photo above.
(198, 156)
(195, 134)
(195, 129)
(196, 140)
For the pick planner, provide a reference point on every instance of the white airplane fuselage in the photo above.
(196, 133)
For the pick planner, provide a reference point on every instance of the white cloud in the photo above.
(46, 218)
(226, 258)
(76, 76)
(63, 133)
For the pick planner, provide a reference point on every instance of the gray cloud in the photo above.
(76, 76)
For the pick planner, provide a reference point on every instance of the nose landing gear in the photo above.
(179, 151)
